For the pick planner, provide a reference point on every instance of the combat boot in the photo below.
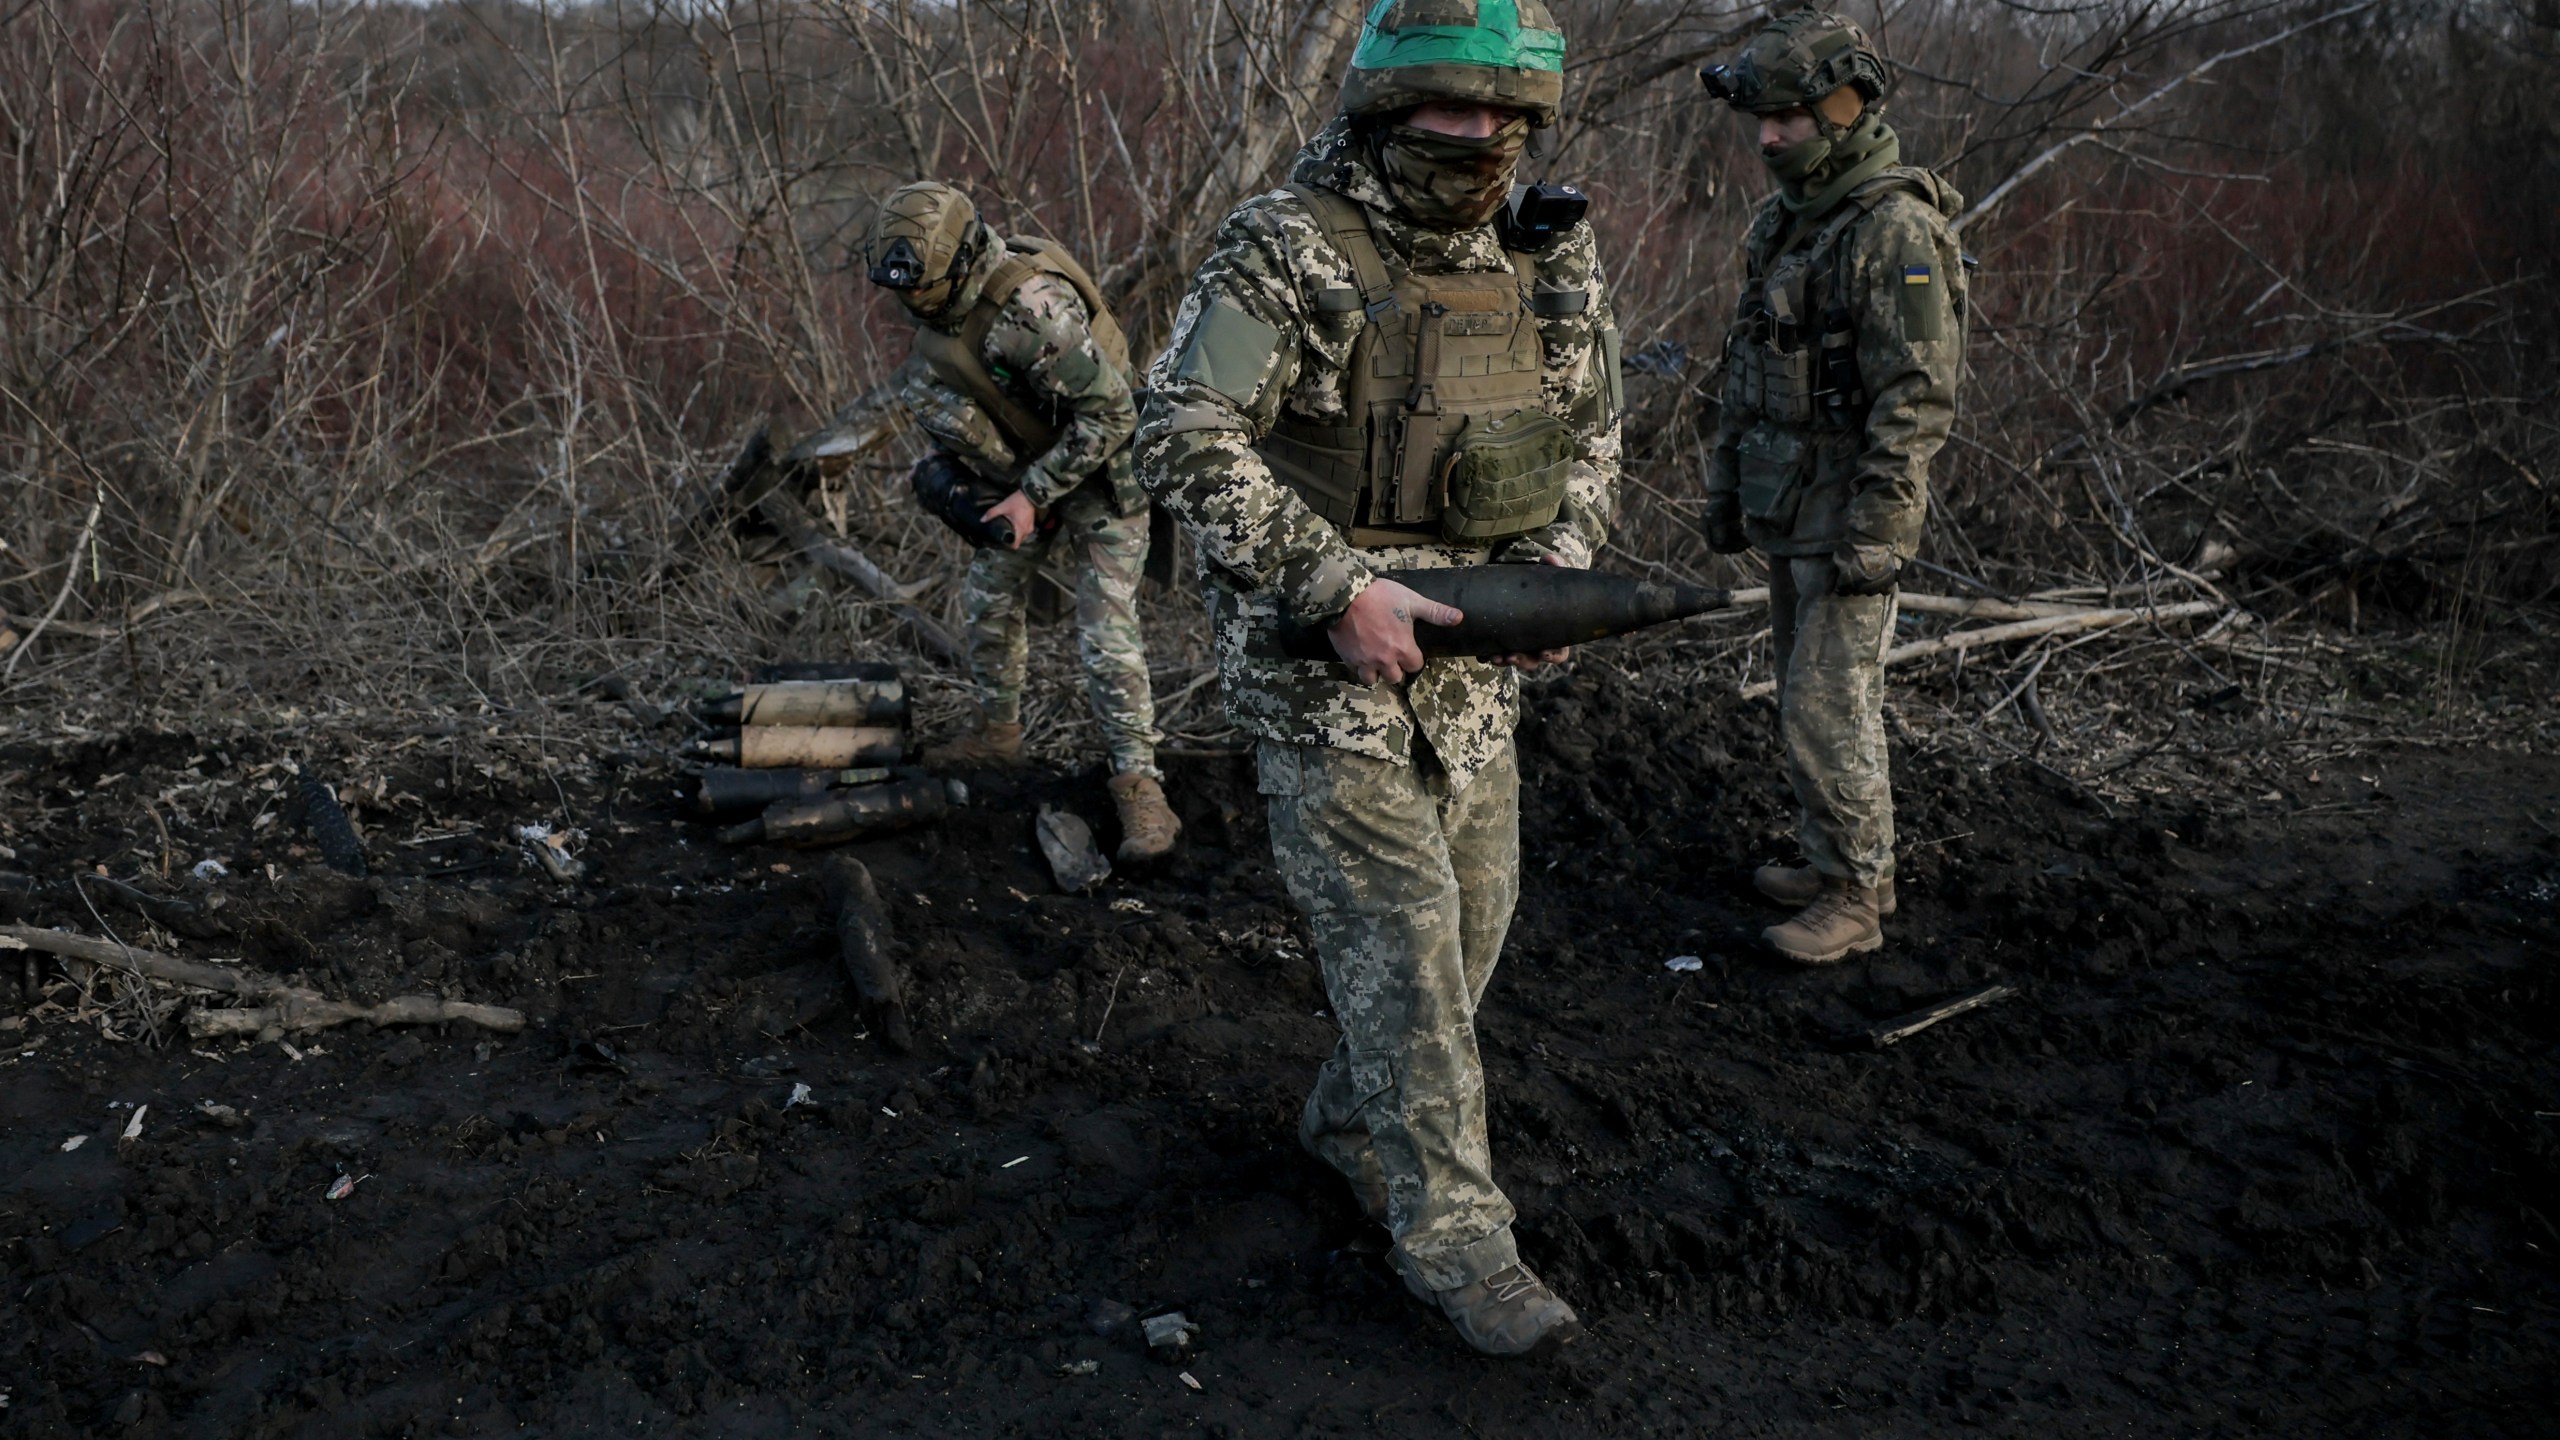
(1148, 826)
(1841, 921)
(1509, 1313)
(1797, 885)
(992, 746)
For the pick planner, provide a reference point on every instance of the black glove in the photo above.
(1864, 569)
(1723, 523)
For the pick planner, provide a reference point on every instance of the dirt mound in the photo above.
(2264, 1144)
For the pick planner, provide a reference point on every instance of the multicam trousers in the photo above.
(1830, 663)
(1409, 890)
(1109, 556)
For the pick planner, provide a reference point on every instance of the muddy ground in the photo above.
(2269, 1143)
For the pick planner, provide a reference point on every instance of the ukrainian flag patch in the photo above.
(1915, 274)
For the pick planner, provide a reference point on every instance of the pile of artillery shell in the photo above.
(816, 724)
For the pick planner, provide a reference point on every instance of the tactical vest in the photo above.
(1791, 358)
(958, 358)
(1446, 438)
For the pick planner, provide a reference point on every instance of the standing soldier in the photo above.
(1840, 383)
(1383, 366)
(1022, 378)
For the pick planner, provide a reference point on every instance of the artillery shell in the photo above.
(843, 815)
(812, 702)
(726, 790)
(818, 747)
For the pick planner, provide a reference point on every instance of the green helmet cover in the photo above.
(1504, 53)
(1797, 60)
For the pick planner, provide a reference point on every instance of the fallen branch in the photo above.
(2021, 630)
(1904, 1027)
(289, 1008)
(146, 963)
(1956, 606)
(785, 513)
(300, 1010)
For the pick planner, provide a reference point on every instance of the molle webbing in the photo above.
(958, 360)
(1441, 359)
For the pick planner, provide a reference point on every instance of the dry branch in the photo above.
(2022, 630)
(299, 1010)
(289, 1008)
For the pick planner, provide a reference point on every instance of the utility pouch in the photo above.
(1786, 384)
(1770, 462)
(1504, 477)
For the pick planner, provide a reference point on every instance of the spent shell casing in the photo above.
(726, 790)
(842, 815)
(811, 702)
(809, 747)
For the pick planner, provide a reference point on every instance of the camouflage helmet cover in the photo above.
(1796, 61)
(1505, 53)
(926, 232)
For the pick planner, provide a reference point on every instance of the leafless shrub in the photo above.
(389, 353)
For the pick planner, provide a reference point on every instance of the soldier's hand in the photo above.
(1017, 508)
(1723, 523)
(1375, 636)
(1543, 657)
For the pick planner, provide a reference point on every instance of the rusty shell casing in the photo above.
(726, 790)
(843, 815)
(805, 747)
(812, 702)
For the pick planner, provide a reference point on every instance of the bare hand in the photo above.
(1543, 657)
(1375, 636)
(1016, 507)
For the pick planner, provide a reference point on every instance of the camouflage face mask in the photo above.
(1447, 182)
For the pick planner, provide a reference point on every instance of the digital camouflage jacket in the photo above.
(1896, 272)
(1264, 555)
(1041, 350)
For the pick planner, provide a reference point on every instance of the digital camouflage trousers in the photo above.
(1829, 651)
(1408, 889)
(1105, 559)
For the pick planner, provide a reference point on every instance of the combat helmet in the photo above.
(1507, 53)
(928, 233)
(1796, 61)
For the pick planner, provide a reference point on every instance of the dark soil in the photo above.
(2269, 1142)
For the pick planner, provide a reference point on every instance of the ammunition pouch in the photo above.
(1772, 463)
(1504, 477)
(1768, 373)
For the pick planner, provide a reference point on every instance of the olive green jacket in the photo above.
(1898, 272)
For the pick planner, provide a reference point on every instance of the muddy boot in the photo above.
(991, 746)
(1147, 824)
(1509, 1312)
(1797, 885)
(1841, 921)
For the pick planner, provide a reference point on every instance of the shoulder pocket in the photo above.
(1230, 352)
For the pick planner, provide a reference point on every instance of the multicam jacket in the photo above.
(1041, 350)
(1265, 557)
(1891, 271)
